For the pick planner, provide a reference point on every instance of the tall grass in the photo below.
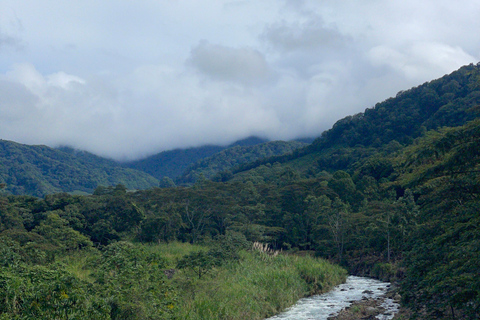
(79, 263)
(255, 288)
(172, 251)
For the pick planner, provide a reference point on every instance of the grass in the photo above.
(256, 286)
(172, 251)
(78, 263)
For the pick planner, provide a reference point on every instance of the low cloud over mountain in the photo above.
(127, 80)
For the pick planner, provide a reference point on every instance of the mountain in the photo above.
(218, 165)
(40, 170)
(173, 163)
(389, 125)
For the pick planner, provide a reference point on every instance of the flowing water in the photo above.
(320, 307)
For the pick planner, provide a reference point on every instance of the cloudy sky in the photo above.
(125, 79)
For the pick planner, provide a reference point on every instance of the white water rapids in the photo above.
(320, 307)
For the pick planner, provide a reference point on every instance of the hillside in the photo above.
(173, 163)
(218, 166)
(41, 170)
(389, 125)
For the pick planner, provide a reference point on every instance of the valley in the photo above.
(391, 193)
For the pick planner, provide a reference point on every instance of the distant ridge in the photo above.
(219, 165)
(173, 163)
(450, 101)
(40, 170)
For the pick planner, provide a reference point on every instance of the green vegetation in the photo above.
(134, 281)
(218, 166)
(120, 282)
(443, 262)
(256, 287)
(173, 163)
(393, 193)
(40, 170)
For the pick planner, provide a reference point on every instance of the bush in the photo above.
(384, 271)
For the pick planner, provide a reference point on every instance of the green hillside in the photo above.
(395, 193)
(40, 170)
(389, 125)
(173, 163)
(218, 166)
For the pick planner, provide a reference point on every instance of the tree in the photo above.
(167, 182)
(310, 219)
(195, 218)
(57, 231)
(336, 219)
(200, 262)
(343, 185)
(443, 256)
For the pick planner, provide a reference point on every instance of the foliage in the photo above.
(199, 262)
(218, 166)
(173, 163)
(39, 292)
(369, 194)
(442, 264)
(56, 230)
(256, 288)
(134, 283)
(40, 170)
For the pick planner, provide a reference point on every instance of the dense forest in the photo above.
(174, 163)
(219, 166)
(41, 170)
(393, 193)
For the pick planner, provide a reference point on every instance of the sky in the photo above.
(127, 79)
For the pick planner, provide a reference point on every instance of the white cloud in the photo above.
(310, 35)
(420, 60)
(126, 80)
(243, 65)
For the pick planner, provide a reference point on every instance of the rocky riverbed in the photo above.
(358, 298)
(384, 307)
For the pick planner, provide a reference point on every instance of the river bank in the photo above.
(256, 286)
(329, 305)
(384, 307)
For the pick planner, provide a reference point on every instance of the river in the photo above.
(320, 307)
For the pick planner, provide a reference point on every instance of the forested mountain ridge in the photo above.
(173, 163)
(419, 225)
(218, 166)
(41, 170)
(390, 124)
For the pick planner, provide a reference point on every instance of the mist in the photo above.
(126, 80)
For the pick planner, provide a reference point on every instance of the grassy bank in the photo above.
(255, 286)
(138, 281)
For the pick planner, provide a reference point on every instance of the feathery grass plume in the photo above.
(264, 250)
